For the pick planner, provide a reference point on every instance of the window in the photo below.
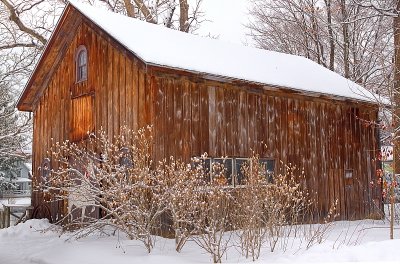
(223, 166)
(45, 170)
(266, 167)
(269, 166)
(125, 158)
(239, 172)
(81, 64)
(231, 170)
(205, 163)
(348, 178)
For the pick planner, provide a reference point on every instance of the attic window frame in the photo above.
(81, 68)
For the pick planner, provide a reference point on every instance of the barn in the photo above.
(102, 70)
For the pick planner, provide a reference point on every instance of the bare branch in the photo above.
(15, 18)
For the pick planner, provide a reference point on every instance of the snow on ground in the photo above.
(16, 200)
(357, 241)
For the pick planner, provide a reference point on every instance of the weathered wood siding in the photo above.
(323, 137)
(113, 95)
(192, 115)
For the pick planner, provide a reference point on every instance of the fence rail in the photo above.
(14, 214)
(15, 193)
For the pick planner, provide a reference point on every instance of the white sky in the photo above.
(226, 20)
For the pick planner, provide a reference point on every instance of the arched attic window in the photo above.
(81, 60)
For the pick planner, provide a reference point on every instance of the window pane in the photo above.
(45, 169)
(80, 73)
(125, 158)
(228, 168)
(81, 66)
(82, 58)
(269, 167)
(240, 176)
(206, 164)
(84, 73)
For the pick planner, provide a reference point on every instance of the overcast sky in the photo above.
(226, 19)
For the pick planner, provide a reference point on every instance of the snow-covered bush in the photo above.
(183, 195)
(214, 220)
(268, 207)
(114, 182)
(108, 182)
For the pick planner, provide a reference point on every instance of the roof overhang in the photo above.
(52, 55)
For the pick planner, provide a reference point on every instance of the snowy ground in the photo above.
(14, 201)
(358, 241)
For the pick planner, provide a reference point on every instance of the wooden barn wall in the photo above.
(322, 137)
(116, 83)
(192, 116)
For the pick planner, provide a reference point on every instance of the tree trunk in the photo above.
(346, 40)
(145, 11)
(315, 33)
(330, 33)
(396, 100)
(130, 9)
(184, 16)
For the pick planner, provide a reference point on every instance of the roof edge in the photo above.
(227, 79)
(20, 105)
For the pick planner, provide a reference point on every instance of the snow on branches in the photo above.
(14, 128)
(114, 182)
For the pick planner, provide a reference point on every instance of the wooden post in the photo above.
(6, 216)
(1, 219)
(7, 212)
(392, 194)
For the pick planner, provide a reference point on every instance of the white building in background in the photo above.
(22, 178)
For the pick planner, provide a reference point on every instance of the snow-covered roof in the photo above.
(157, 45)
(28, 166)
(19, 179)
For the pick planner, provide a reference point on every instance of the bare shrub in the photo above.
(182, 196)
(115, 183)
(318, 233)
(286, 205)
(249, 215)
(213, 220)
(268, 208)
(108, 183)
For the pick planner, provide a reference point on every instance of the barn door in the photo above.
(349, 194)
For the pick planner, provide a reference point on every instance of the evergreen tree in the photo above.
(13, 127)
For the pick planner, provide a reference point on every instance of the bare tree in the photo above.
(358, 39)
(328, 32)
(182, 197)
(389, 9)
(175, 14)
(25, 26)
